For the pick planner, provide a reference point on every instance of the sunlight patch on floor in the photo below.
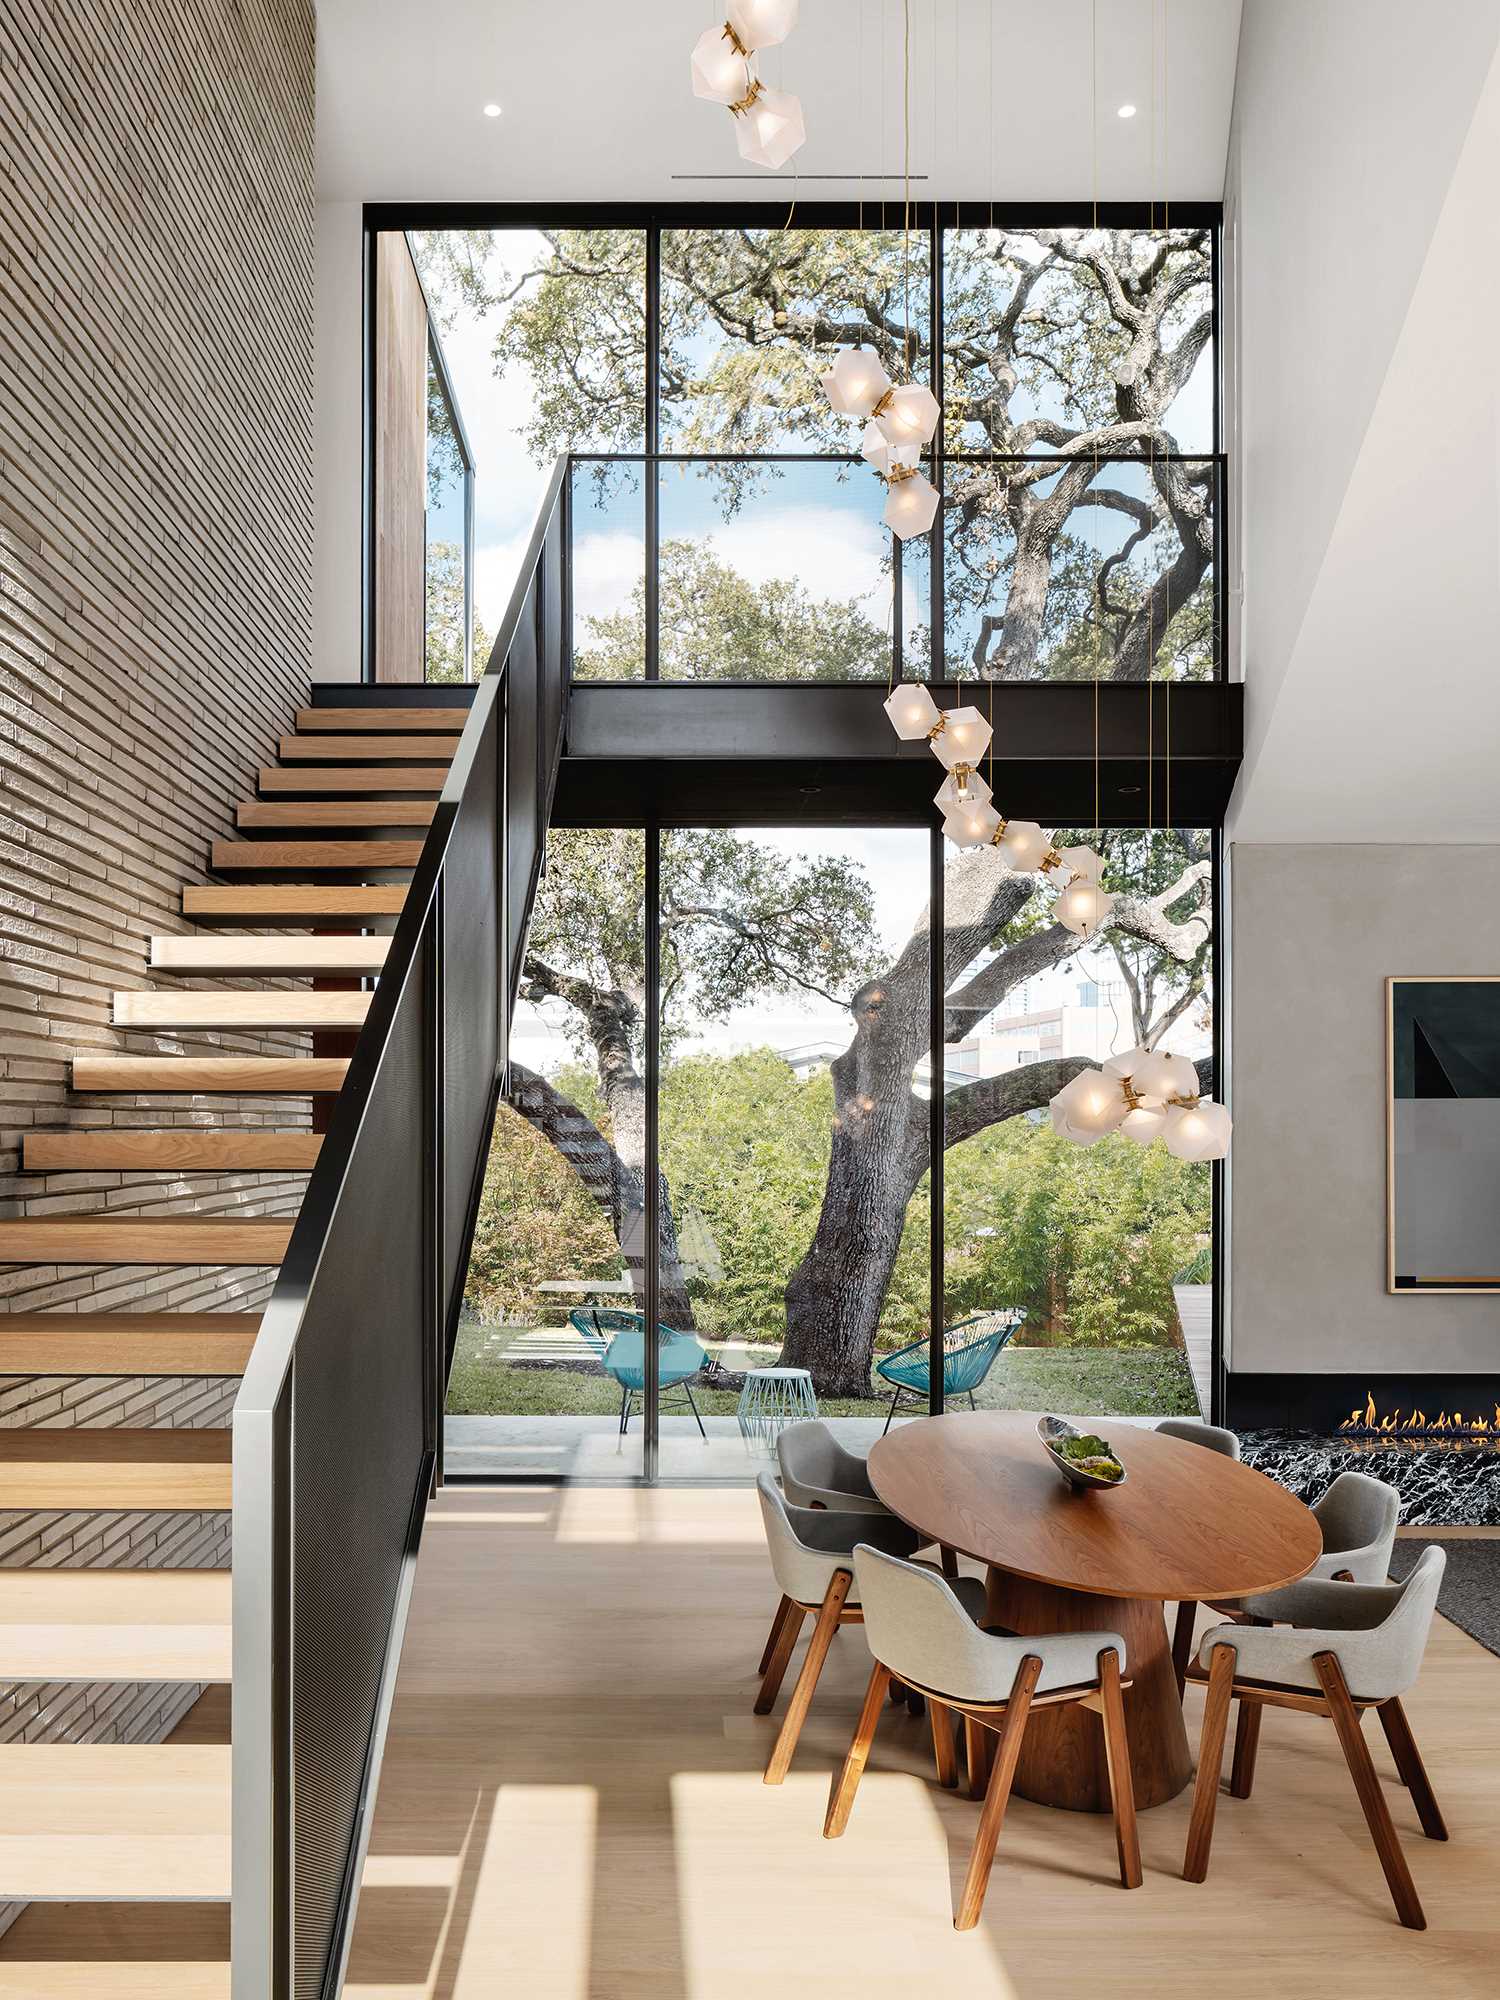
(886, 1883)
(714, 1516)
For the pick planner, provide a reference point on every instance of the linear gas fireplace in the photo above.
(1435, 1438)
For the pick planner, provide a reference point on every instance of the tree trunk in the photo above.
(833, 1298)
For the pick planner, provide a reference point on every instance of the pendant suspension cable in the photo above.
(906, 180)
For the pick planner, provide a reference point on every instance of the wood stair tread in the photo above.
(367, 749)
(114, 1821)
(366, 720)
(144, 1239)
(237, 1075)
(231, 955)
(180, 1150)
(115, 1625)
(240, 1010)
(105, 1978)
(126, 1343)
(253, 902)
(162, 1471)
(228, 856)
(117, 1951)
(281, 814)
(350, 778)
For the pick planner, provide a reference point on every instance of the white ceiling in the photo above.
(596, 100)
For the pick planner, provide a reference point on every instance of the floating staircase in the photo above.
(325, 849)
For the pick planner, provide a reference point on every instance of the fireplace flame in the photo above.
(1408, 1423)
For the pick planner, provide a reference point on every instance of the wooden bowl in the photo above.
(1051, 1428)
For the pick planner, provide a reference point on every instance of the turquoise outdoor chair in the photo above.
(618, 1341)
(969, 1351)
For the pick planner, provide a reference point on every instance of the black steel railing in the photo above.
(337, 1428)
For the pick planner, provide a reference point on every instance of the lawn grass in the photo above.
(1073, 1381)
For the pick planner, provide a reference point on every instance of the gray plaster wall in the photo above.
(1314, 932)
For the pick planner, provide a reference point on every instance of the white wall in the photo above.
(1317, 930)
(1362, 216)
(1361, 314)
(338, 442)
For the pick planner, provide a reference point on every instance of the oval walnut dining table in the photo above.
(1187, 1523)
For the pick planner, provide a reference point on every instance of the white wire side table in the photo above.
(771, 1399)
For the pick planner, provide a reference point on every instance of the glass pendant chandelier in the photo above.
(768, 124)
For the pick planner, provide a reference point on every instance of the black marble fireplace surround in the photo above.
(1295, 1428)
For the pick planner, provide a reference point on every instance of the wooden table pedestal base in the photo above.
(1062, 1754)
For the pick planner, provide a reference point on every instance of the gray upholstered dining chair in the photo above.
(927, 1633)
(812, 1557)
(1213, 1437)
(1193, 1430)
(1345, 1647)
(816, 1471)
(1358, 1517)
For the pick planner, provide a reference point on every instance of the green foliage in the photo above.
(535, 1221)
(1088, 1239)
(739, 921)
(445, 616)
(716, 626)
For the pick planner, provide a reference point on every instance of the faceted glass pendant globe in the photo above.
(762, 24)
(913, 712)
(1126, 1065)
(1144, 1123)
(911, 416)
(966, 734)
(1197, 1131)
(1022, 846)
(963, 788)
(911, 506)
(860, 381)
(971, 825)
(1162, 1076)
(829, 384)
(1088, 1107)
(1082, 907)
(720, 73)
(886, 457)
(1082, 861)
(770, 130)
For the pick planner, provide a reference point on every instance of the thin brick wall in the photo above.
(156, 356)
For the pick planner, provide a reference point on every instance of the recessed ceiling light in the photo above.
(492, 111)
(1126, 111)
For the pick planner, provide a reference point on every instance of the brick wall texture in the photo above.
(156, 361)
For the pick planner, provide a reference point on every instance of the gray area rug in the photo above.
(1470, 1595)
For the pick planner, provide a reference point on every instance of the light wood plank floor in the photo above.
(572, 1808)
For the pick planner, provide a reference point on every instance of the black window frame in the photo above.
(932, 218)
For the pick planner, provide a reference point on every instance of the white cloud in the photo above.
(831, 551)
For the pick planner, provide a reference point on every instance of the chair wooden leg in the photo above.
(949, 1561)
(997, 1795)
(774, 1634)
(976, 1756)
(802, 1694)
(1210, 1760)
(1367, 1784)
(1182, 1644)
(1246, 1744)
(941, 1718)
(1117, 1760)
(781, 1653)
(845, 1785)
(1413, 1772)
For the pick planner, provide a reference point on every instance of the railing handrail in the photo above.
(276, 1339)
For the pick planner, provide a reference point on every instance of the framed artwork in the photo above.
(1443, 1134)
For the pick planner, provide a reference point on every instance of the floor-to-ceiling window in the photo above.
(725, 529)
